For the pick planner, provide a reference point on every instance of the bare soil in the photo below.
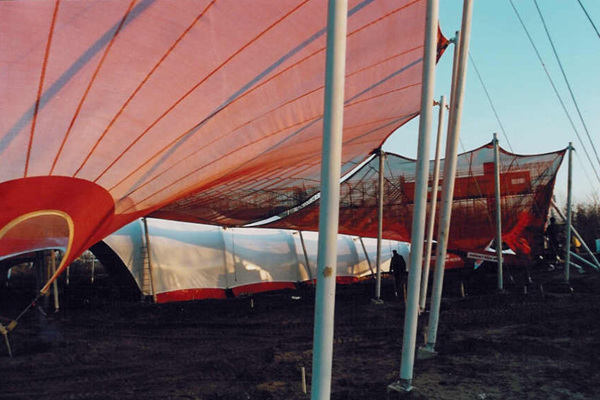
(541, 345)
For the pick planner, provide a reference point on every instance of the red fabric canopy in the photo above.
(206, 110)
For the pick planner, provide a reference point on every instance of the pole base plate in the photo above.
(376, 301)
(401, 386)
(425, 353)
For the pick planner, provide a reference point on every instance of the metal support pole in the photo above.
(449, 178)
(498, 211)
(433, 205)
(574, 231)
(569, 215)
(581, 259)
(362, 243)
(333, 119)
(93, 269)
(579, 267)
(148, 254)
(306, 257)
(456, 41)
(379, 224)
(55, 282)
(420, 201)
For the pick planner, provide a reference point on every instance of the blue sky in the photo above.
(528, 108)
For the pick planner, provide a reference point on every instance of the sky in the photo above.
(528, 108)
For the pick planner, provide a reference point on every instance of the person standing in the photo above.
(398, 269)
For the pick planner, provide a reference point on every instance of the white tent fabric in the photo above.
(192, 261)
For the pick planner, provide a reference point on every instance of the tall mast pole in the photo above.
(420, 202)
(333, 119)
(450, 161)
(569, 216)
(433, 206)
(379, 225)
(498, 211)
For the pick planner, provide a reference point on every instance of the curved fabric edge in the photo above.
(190, 294)
(89, 207)
(262, 287)
(346, 280)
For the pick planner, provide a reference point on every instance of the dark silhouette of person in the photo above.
(398, 269)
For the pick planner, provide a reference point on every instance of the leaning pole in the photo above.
(569, 216)
(433, 206)
(404, 384)
(449, 177)
(379, 225)
(595, 263)
(330, 198)
(498, 211)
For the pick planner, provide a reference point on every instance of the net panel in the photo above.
(206, 110)
(526, 187)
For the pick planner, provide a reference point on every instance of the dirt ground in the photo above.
(541, 345)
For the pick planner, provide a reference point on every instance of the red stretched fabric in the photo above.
(526, 186)
(190, 294)
(208, 111)
(262, 287)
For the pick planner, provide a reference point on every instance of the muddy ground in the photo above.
(539, 345)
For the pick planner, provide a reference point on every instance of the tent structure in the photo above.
(188, 261)
(526, 187)
(198, 110)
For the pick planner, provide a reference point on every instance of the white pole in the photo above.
(432, 207)
(498, 211)
(456, 41)
(583, 260)
(449, 174)
(379, 225)
(454, 74)
(569, 215)
(420, 201)
(333, 119)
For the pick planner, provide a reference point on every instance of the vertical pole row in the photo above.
(432, 207)
(420, 201)
(498, 211)
(450, 161)
(569, 216)
(330, 193)
(379, 224)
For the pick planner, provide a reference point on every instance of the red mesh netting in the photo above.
(526, 186)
